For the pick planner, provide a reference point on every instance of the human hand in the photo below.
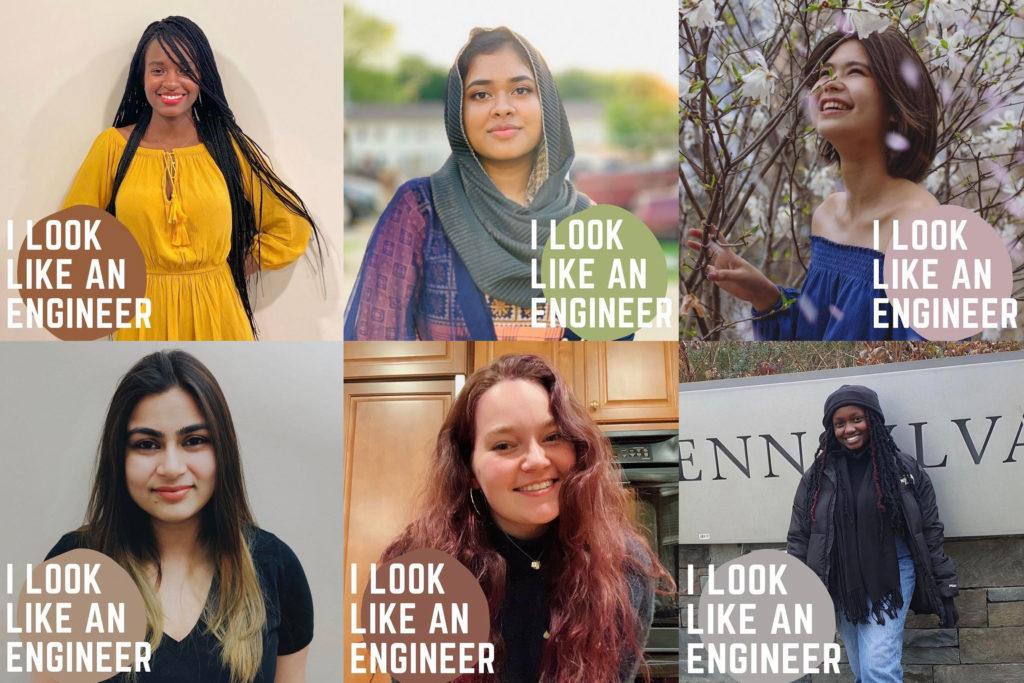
(950, 615)
(733, 273)
(251, 265)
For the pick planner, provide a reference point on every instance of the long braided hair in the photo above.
(187, 46)
(886, 469)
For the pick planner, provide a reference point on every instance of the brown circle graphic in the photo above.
(426, 602)
(81, 606)
(81, 273)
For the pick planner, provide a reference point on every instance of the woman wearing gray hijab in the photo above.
(451, 256)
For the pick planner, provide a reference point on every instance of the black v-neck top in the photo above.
(196, 657)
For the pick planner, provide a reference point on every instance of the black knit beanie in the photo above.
(850, 395)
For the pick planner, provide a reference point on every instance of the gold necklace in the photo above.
(534, 562)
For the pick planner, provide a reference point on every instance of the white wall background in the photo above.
(285, 399)
(65, 66)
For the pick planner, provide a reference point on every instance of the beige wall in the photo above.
(281, 63)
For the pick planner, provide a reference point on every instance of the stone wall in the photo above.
(986, 647)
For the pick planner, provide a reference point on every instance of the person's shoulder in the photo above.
(261, 540)
(911, 465)
(637, 549)
(825, 215)
(418, 188)
(806, 479)
(266, 548)
(117, 137)
(913, 200)
(109, 140)
(73, 540)
(414, 194)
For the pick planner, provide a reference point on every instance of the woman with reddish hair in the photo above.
(524, 492)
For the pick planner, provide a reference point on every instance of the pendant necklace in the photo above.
(534, 562)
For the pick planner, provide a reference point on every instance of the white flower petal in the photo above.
(807, 309)
(896, 142)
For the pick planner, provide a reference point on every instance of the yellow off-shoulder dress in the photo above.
(185, 234)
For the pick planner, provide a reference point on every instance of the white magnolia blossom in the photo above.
(947, 47)
(1002, 136)
(758, 119)
(947, 12)
(821, 182)
(934, 181)
(867, 18)
(689, 134)
(700, 13)
(810, 142)
(783, 218)
(759, 82)
(764, 18)
(755, 210)
(1001, 59)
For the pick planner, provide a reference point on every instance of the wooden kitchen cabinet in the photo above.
(632, 381)
(370, 360)
(625, 384)
(390, 431)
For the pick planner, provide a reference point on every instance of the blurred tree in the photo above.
(367, 39)
(421, 80)
(577, 84)
(366, 36)
(641, 112)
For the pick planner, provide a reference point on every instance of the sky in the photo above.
(598, 35)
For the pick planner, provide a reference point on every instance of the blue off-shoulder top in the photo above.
(836, 302)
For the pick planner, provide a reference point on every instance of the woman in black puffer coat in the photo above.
(865, 520)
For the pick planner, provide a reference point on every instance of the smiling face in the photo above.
(850, 425)
(170, 90)
(170, 464)
(520, 457)
(846, 104)
(501, 111)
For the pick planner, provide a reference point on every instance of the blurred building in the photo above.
(402, 141)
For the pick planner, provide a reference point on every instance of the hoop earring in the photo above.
(472, 500)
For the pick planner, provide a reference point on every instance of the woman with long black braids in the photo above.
(196, 192)
(865, 520)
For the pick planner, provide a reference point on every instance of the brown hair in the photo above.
(912, 106)
(595, 631)
(119, 528)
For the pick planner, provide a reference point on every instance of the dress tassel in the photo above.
(175, 215)
(176, 218)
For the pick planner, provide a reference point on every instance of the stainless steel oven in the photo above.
(650, 467)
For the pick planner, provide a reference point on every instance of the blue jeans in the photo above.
(874, 649)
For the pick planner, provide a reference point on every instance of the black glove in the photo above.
(950, 616)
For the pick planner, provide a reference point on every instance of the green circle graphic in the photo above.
(603, 271)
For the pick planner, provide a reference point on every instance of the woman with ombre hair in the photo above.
(225, 601)
(524, 492)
